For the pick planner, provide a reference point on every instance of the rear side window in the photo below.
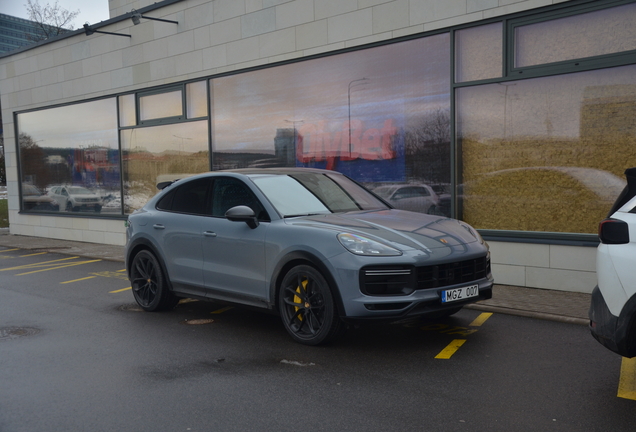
(190, 198)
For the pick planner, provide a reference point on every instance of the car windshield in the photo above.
(312, 193)
(76, 190)
(30, 190)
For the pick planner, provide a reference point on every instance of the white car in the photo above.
(412, 197)
(75, 198)
(613, 307)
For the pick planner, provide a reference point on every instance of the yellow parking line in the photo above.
(33, 254)
(627, 382)
(77, 280)
(41, 264)
(480, 319)
(118, 291)
(59, 267)
(219, 311)
(451, 349)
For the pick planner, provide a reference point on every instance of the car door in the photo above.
(234, 253)
(178, 227)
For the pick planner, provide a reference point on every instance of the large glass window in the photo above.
(546, 154)
(151, 155)
(379, 115)
(69, 158)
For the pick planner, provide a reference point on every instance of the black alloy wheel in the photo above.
(307, 307)
(148, 284)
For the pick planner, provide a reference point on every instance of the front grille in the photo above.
(403, 280)
(442, 275)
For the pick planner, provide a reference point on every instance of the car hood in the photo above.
(403, 229)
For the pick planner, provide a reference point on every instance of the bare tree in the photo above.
(51, 20)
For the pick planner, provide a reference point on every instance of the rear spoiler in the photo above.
(165, 184)
(628, 193)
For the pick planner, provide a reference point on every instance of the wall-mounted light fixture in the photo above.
(136, 18)
(88, 30)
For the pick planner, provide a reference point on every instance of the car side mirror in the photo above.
(242, 214)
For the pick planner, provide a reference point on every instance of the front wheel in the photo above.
(307, 307)
(148, 284)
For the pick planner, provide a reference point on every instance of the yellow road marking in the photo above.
(9, 250)
(34, 254)
(58, 267)
(77, 280)
(450, 349)
(120, 290)
(42, 264)
(480, 319)
(187, 300)
(627, 382)
(219, 311)
(119, 271)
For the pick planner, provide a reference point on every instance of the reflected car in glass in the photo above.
(613, 305)
(311, 245)
(33, 199)
(75, 198)
(418, 198)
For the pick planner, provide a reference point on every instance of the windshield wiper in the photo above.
(303, 214)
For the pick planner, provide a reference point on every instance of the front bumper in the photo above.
(420, 303)
(617, 334)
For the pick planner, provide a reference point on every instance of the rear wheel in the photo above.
(148, 284)
(307, 307)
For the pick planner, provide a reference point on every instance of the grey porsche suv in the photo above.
(311, 245)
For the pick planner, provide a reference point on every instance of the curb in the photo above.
(529, 314)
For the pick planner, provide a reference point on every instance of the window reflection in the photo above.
(379, 115)
(72, 146)
(546, 154)
(162, 105)
(478, 52)
(150, 154)
(590, 34)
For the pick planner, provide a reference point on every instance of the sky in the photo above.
(92, 11)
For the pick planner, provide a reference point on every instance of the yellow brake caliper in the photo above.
(298, 299)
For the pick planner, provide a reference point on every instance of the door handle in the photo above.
(209, 234)
(158, 226)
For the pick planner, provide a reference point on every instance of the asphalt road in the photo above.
(76, 354)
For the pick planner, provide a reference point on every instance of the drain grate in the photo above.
(9, 333)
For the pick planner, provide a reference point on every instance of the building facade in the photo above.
(519, 114)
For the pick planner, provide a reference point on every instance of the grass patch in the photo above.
(4, 213)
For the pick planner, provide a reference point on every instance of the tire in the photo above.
(149, 286)
(98, 209)
(307, 307)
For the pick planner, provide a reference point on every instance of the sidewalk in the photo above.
(552, 305)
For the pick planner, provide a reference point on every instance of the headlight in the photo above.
(364, 246)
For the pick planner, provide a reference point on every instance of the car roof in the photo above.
(252, 171)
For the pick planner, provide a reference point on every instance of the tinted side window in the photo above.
(230, 192)
(191, 197)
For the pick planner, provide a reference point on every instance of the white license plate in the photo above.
(457, 294)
